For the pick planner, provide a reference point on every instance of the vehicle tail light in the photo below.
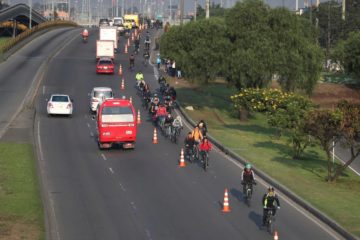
(94, 100)
(69, 105)
(50, 105)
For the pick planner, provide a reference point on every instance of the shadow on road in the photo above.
(256, 218)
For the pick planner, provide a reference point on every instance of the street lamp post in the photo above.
(30, 15)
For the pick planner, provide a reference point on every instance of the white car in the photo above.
(60, 104)
(98, 95)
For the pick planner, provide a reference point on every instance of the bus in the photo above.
(116, 121)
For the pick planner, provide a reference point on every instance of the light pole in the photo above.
(30, 15)
(195, 10)
(207, 8)
(343, 9)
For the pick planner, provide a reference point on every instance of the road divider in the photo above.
(122, 87)
(155, 140)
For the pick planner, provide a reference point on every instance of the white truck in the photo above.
(109, 33)
(104, 48)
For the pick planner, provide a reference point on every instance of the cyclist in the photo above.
(168, 123)
(189, 144)
(160, 115)
(197, 135)
(137, 44)
(154, 105)
(202, 127)
(146, 56)
(132, 60)
(139, 78)
(268, 203)
(204, 147)
(247, 177)
(147, 42)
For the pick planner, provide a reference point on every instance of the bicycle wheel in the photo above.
(270, 224)
(248, 196)
(206, 161)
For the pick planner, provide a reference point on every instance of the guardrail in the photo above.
(57, 23)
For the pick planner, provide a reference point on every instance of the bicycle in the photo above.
(205, 159)
(248, 192)
(190, 153)
(175, 133)
(269, 220)
(132, 65)
(146, 102)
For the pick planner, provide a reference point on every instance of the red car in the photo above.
(105, 65)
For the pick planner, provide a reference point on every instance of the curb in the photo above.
(4, 56)
(298, 200)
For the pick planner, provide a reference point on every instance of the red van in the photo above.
(116, 119)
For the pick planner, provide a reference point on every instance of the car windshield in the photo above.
(105, 62)
(117, 114)
(117, 22)
(60, 99)
(100, 94)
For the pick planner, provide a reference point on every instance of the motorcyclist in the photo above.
(247, 177)
(268, 203)
(85, 33)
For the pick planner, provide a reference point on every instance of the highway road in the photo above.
(141, 193)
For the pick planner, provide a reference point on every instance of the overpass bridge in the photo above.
(19, 13)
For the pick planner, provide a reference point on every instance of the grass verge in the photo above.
(4, 40)
(254, 140)
(21, 211)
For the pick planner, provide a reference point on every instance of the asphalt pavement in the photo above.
(140, 193)
(19, 74)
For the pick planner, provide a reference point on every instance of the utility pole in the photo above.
(195, 10)
(207, 8)
(343, 9)
(296, 5)
(123, 8)
(181, 12)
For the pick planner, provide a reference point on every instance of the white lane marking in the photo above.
(148, 235)
(49, 196)
(341, 160)
(88, 125)
(112, 171)
(91, 133)
(290, 202)
(122, 187)
(103, 156)
(43, 90)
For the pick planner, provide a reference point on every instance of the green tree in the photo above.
(298, 59)
(348, 53)
(289, 119)
(324, 125)
(199, 48)
(250, 62)
(350, 134)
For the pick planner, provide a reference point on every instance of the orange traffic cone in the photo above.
(276, 237)
(128, 42)
(122, 87)
(155, 141)
(182, 160)
(226, 206)
(138, 117)
(132, 37)
(120, 70)
(126, 49)
(130, 99)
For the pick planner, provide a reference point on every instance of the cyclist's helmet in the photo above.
(248, 166)
(271, 189)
